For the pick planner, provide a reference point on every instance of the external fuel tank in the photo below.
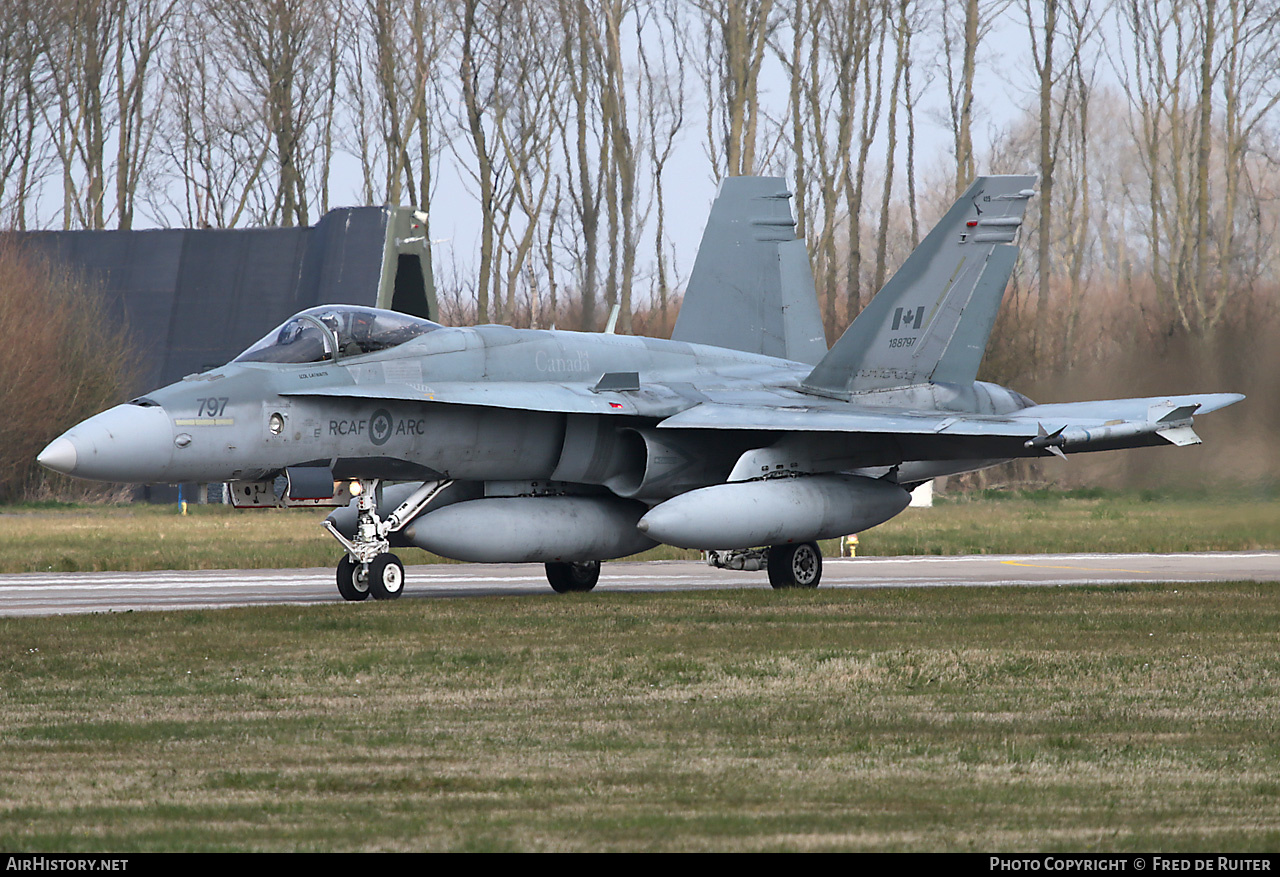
(774, 512)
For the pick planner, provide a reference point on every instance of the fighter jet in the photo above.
(742, 435)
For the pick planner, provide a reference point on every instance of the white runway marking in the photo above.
(52, 593)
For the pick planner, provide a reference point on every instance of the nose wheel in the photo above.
(381, 578)
(353, 580)
(386, 577)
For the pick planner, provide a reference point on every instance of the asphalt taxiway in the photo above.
(55, 593)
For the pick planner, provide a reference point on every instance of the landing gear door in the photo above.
(314, 486)
(301, 487)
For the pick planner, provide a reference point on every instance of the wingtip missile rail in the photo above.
(1174, 426)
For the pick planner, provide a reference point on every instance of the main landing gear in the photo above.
(789, 566)
(369, 568)
(795, 566)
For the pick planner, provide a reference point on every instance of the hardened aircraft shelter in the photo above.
(194, 298)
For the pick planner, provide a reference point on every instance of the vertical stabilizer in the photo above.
(752, 288)
(931, 321)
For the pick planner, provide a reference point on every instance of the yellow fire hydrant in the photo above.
(849, 546)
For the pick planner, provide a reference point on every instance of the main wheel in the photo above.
(353, 581)
(386, 577)
(795, 566)
(566, 577)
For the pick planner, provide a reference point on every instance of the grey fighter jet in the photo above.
(742, 435)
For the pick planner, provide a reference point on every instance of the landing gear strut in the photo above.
(795, 566)
(566, 577)
(369, 568)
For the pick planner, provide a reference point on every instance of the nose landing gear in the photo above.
(369, 568)
(381, 578)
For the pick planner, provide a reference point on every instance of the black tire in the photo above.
(353, 584)
(795, 566)
(568, 577)
(386, 577)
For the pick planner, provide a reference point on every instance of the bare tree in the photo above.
(1164, 77)
(1081, 27)
(1041, 19)
(75, 38)
(402, 46)
(1207, 25)
(100, 58)
(394, 78)
(662, 96)
(1250, 77)
(584, 146)
(526, 135)
(214, 143)
(963, 30)
(736, 34)
(512, 81)
(281, 51)
(24, 93)
(865, 30)
(911, 99)
(904, 26)
(835, 97)
(141, 28)
(481, 64)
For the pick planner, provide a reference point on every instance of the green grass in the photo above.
(1092, 520)
(139, 537)
(1130, 718)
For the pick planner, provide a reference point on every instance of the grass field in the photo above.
(1137, 717)
(1124, 718)
(139, 537)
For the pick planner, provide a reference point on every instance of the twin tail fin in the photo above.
(931, 321)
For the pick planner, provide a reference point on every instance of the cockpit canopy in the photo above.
(332, 332)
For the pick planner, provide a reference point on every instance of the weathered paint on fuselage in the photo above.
(251, 420)
(222, 419)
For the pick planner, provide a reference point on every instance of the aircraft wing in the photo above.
(1048, 426)
(649, 400)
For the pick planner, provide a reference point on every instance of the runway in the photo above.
(70, 593)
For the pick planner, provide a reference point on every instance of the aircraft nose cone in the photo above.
(128, 443)
(60, 456)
